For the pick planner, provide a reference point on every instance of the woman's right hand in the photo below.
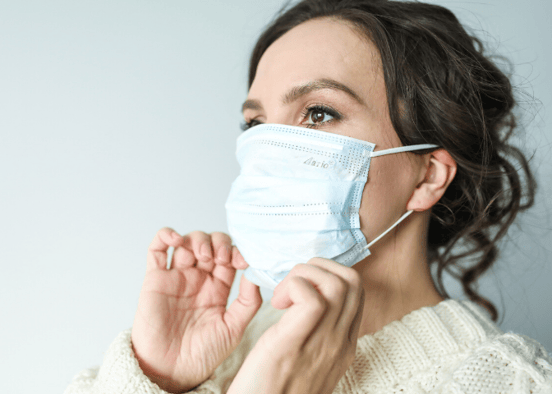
(182, 330)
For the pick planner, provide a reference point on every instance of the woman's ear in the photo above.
(439, 174)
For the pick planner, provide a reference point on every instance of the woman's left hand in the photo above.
(314, 343)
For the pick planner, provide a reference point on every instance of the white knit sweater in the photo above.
(450, 348)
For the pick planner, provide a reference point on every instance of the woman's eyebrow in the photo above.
(324, 83)
(298, 91)
(252, 104)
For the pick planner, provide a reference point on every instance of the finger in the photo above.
(222, 247)
(224, 273)
(183, 258)
(157, 250)
(307, 308)
(238, 262)
(355, 324)
(354, 292)
(347, 273)
(200, 244)
(243, 308)
(332, 288)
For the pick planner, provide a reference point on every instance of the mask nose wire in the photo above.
(389, 229)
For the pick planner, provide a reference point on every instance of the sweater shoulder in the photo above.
(452, 347)
(507, 363)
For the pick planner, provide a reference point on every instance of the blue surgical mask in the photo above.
(298, 197)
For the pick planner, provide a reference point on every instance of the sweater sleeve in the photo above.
(120, 372)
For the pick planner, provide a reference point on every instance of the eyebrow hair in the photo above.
(252, 104)
(323, 83)
(301, 90)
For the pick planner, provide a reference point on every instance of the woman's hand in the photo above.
(314, 342)
(182, 330)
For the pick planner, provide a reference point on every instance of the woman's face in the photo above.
(326, 75)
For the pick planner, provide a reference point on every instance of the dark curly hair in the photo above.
(441, 89)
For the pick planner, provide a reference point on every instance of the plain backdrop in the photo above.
(120, 117)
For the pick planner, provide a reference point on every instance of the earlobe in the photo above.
(438, 175)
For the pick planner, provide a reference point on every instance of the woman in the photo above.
(360, 315)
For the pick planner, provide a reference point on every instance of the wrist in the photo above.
(260, 374)
(164, 380)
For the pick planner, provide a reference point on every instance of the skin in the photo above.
(395, 277)
(182, 330)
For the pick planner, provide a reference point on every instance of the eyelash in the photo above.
(247, 125)
(314, 108)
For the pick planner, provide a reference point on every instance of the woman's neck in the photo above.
(396, 277)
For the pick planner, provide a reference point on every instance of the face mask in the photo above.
(298, 197)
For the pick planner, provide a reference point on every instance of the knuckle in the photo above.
(315, 302)
(317, 306)
(337, 286)
(221, 235)
(221, 239)
(353, 277)
(197, 235)
(164, 231)
(160, 236)
(315, 260)
(298, 269)
(296, 281)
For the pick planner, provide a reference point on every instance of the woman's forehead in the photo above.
(320, 49)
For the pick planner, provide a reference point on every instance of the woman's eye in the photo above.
(252, 123)
(318, 115)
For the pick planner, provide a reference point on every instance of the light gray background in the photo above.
(120, 117)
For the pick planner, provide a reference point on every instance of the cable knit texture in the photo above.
(450, 348)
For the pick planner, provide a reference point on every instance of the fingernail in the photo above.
(224, 254)
(206, 251)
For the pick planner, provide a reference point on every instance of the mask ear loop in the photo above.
(399, 149)
(389, 229)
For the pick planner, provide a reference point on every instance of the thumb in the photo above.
(243, 308)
